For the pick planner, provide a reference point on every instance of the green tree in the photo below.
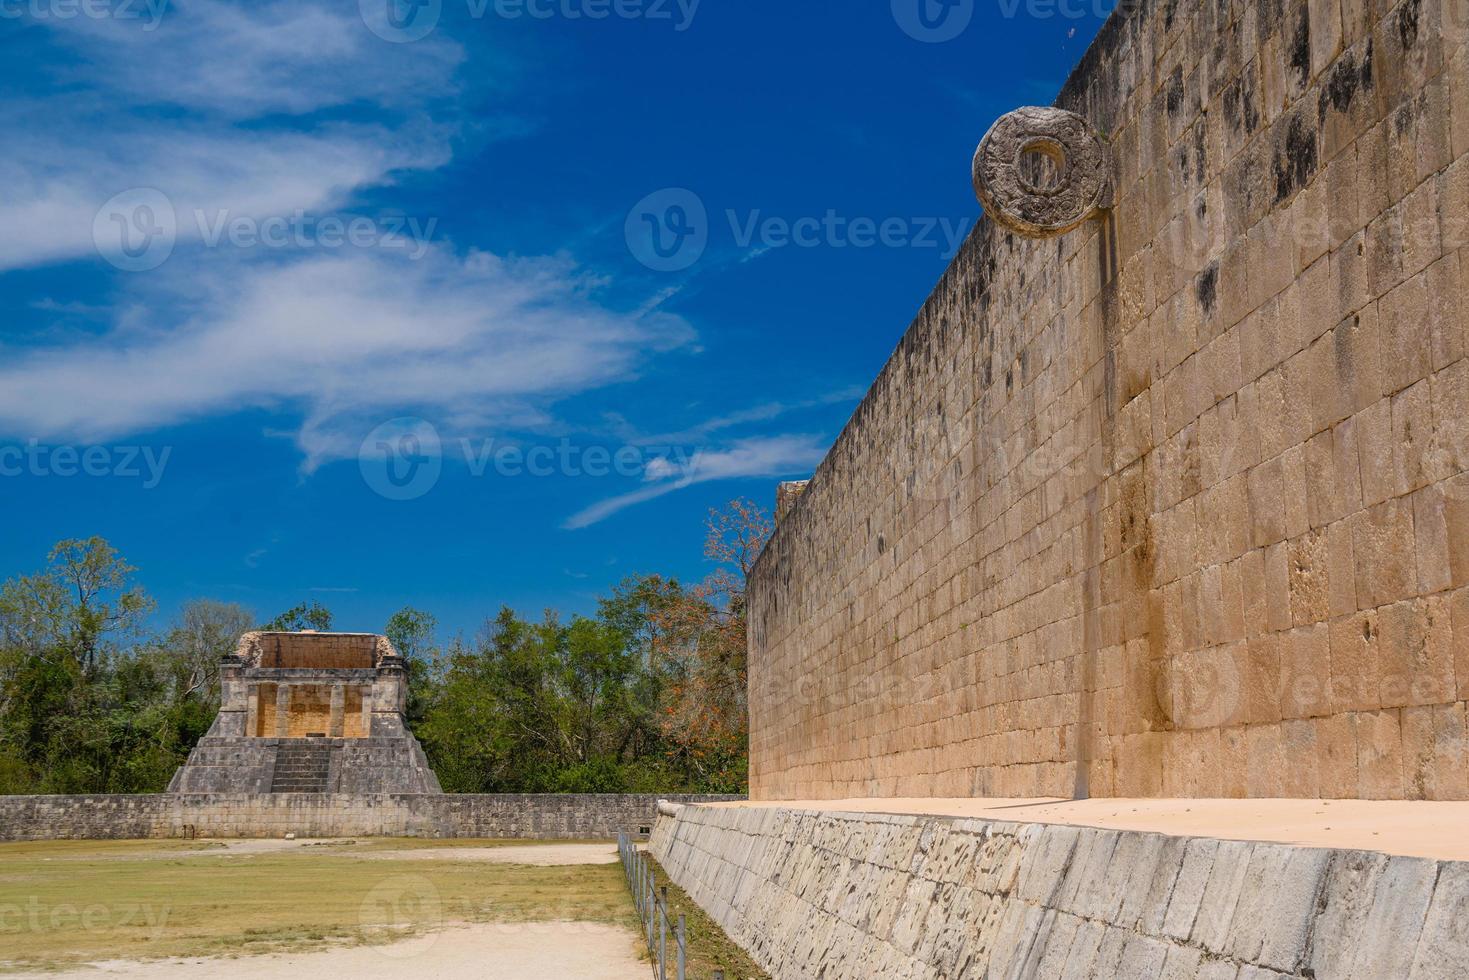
(411, 631)
(80, 603)
(306, 616)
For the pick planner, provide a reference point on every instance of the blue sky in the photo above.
(471, 302)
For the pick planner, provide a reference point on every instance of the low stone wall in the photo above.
(871, 895)
(543, 817)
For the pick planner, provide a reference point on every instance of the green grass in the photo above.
(69, 902)
(709, 948)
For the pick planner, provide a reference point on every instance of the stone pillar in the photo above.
(339, 704)
(252, 711)
(282, 710)
(366, 712)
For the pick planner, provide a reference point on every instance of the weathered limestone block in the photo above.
(1233, 909)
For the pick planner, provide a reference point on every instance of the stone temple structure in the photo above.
(310, 713)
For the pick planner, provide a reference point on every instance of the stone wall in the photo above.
(540, 817)
(862, 895)
(1177, 503)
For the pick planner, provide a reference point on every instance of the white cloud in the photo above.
(260, 109)
(213, 106)
(347, 341)
(251, 58)
(198, 170)
(772, 457)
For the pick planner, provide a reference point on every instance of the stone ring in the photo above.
(1014, 195)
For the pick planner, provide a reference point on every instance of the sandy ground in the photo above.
(1413, 828)
(498, 952)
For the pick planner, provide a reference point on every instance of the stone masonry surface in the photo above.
(539, 817)
(1176, 504)
(858, 896)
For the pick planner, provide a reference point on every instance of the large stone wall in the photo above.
(139, 817)
(1177, 503)
(856, 896)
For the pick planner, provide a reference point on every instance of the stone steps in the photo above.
(302, 767)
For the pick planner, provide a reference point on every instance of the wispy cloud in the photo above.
(345, 340)
(242, 60)
(764, 412)
(259, 109)
(254, 110)
(771, 457)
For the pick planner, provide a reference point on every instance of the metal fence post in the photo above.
(679, 935)
(648, 884)
(663, 933)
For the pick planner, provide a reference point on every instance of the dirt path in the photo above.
(1414, 828)
(533, 951)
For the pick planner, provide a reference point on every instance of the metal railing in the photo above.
(652, 905)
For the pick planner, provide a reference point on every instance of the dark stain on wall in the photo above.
(1207, 288)
(1344, 81)
(1300, 47)
(1295, 157)
(1408, 23)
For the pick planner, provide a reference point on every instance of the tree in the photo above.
(77, 605)
(411, 632)
(204, 633)
(313, 616)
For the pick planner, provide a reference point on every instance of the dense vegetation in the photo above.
(646, 695)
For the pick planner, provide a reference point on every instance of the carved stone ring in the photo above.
(1012, 196)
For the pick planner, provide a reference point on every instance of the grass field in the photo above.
(69, 902)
